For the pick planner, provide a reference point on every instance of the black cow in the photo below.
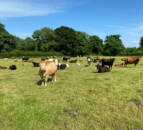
(25, 59)
(102, 69)
(66, 58)
(108, 62)
(35, 64)
(62, 66)
(13, 67)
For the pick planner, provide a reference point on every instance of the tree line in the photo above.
(67, 41)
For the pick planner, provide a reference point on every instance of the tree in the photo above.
(96, 44)
(83, 46)
(4, 37)
(44, 39)
(66, 39)
(113, 45)
(141, 42)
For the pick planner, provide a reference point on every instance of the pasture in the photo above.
(81, 99)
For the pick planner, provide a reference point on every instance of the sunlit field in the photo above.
(81, 99)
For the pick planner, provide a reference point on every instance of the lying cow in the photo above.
(13, 67)
(119, 65)
(2, 67)
(62, 66)
(108, 62)
(131, 60)
(102, 69)
(73, 61)
(35, 64)
(47, 68)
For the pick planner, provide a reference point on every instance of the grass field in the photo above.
(81, 99)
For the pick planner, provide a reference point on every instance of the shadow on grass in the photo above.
(39, 82)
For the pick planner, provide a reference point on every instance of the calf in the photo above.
(47, 68)
(102, 69)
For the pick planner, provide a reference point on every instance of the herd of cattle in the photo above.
(49, 66)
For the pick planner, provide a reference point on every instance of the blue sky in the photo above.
(95, 17)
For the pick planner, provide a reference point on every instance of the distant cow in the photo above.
(73, 61)
(62, 66)
(102, 69)
(119, 65)
(25, 59)
(89, 60)
(108, 62)
(66, 58)
(131, 60)
(13, 67)
(2, 67)
(35, 64)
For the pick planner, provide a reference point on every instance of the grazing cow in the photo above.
(13, 67)
(25, 59)
(131, 60)
(66, 58)
(47, 68)
(108, 62)
(73, 61)
(35, 64)
(102, 69)
(89, 60)
(62, 66)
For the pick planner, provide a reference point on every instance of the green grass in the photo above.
(81, 99)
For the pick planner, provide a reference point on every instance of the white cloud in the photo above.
(21, 8)
(132, 33)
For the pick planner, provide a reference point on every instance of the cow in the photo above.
(66, 58)
(119, 65)
(25, 59)
(35, 64)
(47, 68)
(102, 69)
(131, 60)
(89, 60)
(73, 61)
(62, 66)
(2, 67)
(108, 62)
(13, 67)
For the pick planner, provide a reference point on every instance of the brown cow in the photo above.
(131, 60)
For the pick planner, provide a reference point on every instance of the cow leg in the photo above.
(54, 78)
(46, 79)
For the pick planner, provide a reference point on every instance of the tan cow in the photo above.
(47, 68)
